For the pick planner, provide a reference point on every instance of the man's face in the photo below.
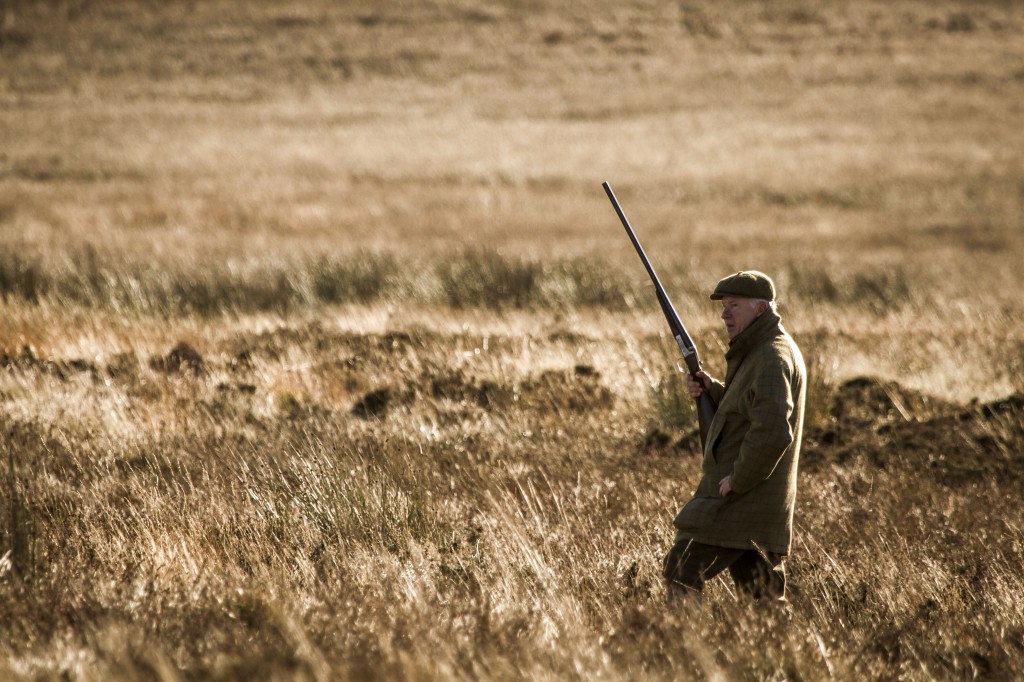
(739, 312)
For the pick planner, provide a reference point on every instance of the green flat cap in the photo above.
(745, 284)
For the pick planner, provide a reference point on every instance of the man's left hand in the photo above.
(725, 486)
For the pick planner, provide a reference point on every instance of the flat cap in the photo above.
(745, 284)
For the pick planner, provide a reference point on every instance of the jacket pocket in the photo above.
(724, 416)
(697, 513)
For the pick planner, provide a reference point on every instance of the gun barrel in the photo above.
(706, 406)
(678, 329)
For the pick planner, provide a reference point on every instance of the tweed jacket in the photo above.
(755, 438)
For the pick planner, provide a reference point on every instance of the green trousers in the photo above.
(689, 564)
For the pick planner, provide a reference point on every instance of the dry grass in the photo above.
(323, 355)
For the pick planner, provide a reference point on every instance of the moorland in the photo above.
(324, 356)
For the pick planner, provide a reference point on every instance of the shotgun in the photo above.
(706, 406)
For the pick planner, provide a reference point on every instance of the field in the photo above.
(324, 356)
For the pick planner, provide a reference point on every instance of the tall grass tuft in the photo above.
(878, 289)
(360, 279)
(21, 278)
(488, 279)
(473, 279)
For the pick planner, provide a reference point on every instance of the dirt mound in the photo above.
(896, 428)
(457, 388)
(986, 441)
(27, 360)
(578, 390)
(575, 390)
(867, 401)
(180, 358)
(1009, 405)
(377, 403)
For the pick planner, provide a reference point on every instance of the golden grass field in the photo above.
(324, 356)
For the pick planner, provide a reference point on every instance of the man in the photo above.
(741, 516)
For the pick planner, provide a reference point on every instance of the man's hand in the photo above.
(725, 486)
(696, 388)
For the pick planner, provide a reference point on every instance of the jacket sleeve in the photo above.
(716, 390)
(770, 434)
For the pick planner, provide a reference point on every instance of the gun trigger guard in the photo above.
(681, 366)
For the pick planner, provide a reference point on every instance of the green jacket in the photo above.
(755, 438)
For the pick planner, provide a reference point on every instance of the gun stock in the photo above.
(705, 404)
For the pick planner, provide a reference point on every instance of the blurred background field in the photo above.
(371, 236)
(177, 158)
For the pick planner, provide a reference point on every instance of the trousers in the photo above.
(689, 564)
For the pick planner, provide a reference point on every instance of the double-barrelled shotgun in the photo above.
(705, 403)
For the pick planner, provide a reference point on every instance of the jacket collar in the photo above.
(768, 326)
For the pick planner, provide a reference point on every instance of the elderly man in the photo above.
(741, 516)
